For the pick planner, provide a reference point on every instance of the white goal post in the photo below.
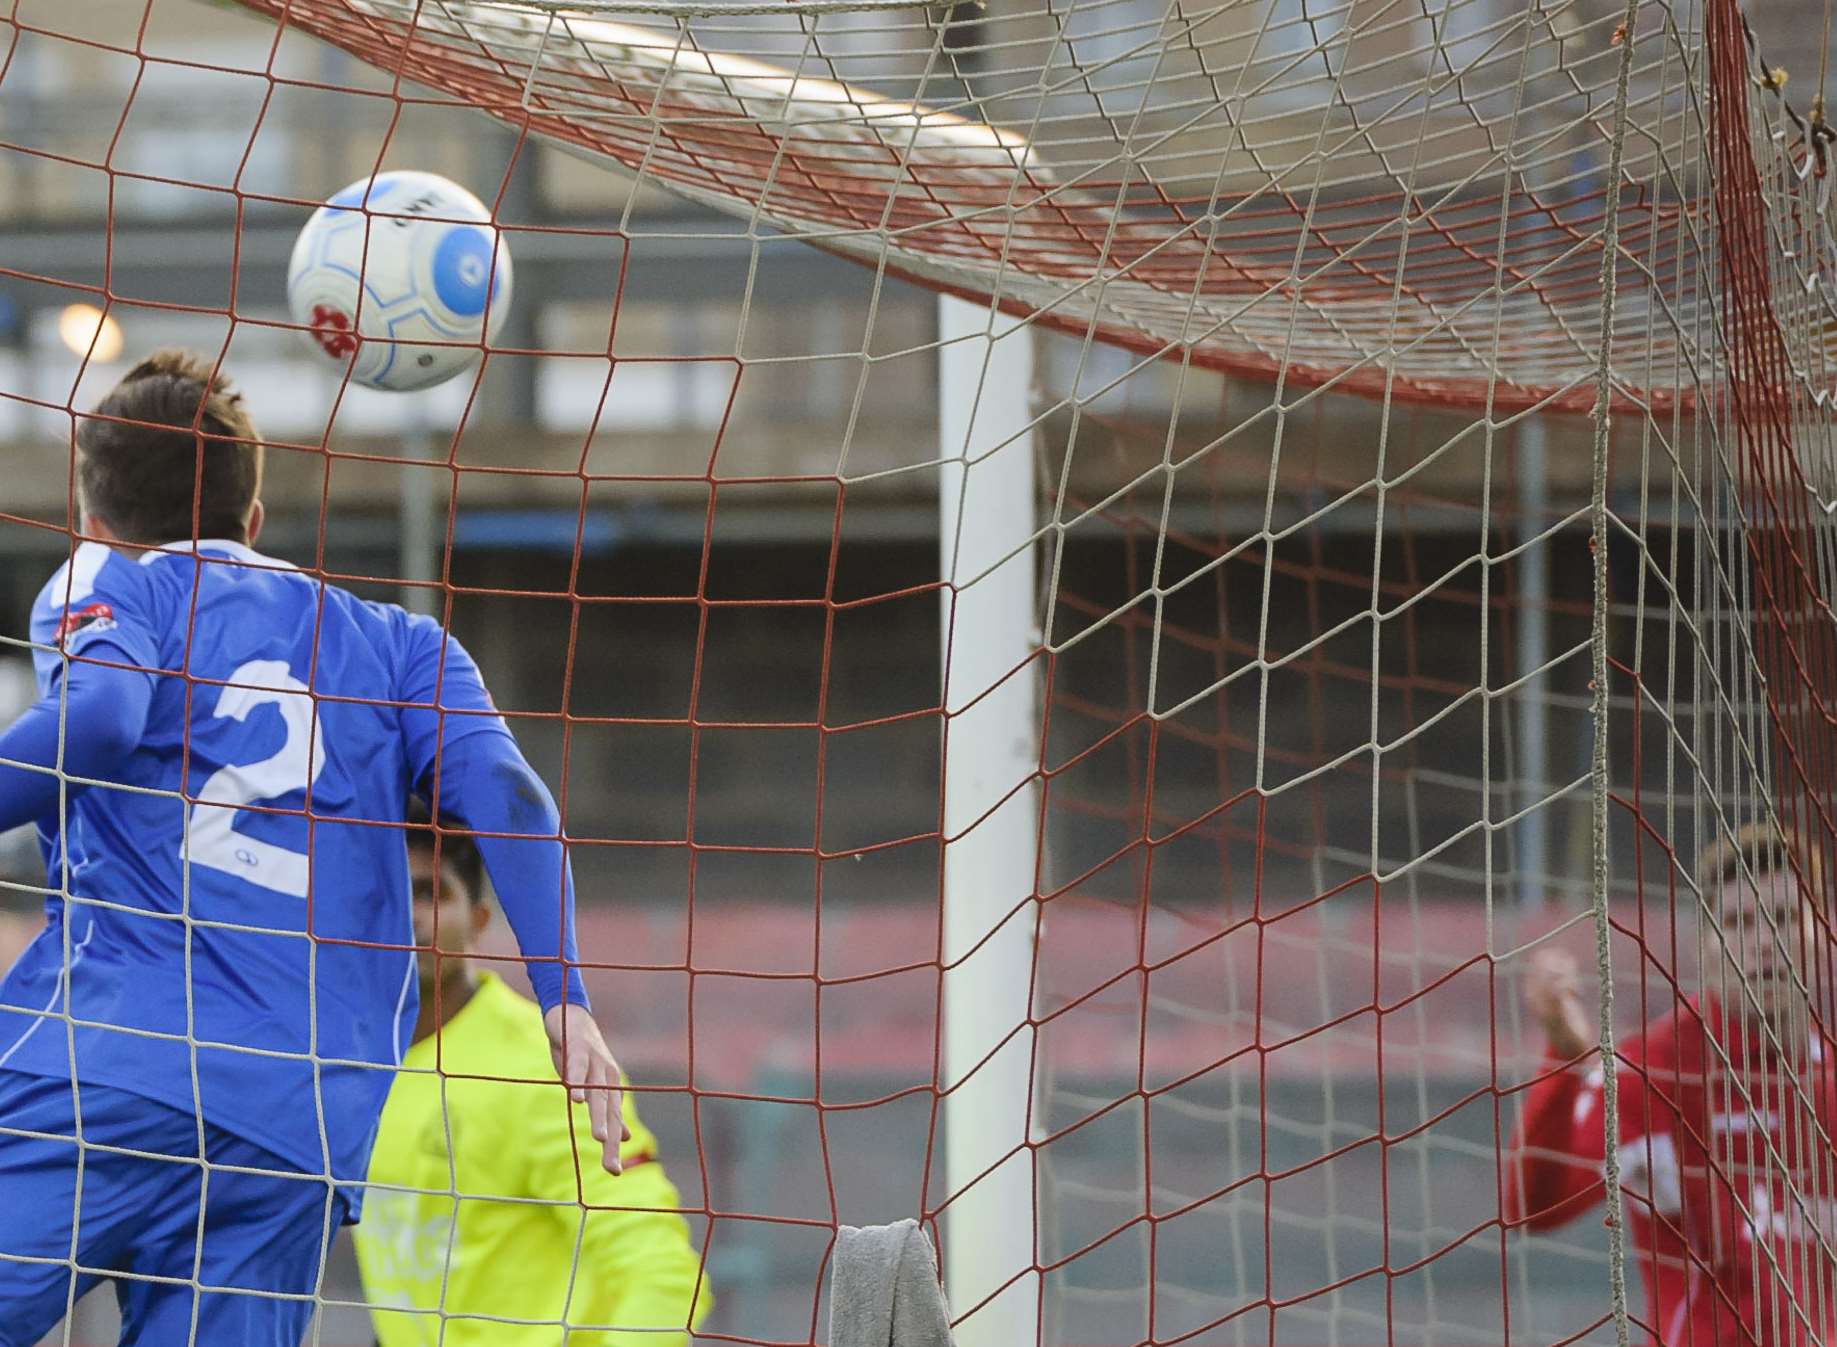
(993, 836)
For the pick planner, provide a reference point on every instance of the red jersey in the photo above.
(1727, 1175)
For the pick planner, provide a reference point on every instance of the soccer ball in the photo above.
(392, 263)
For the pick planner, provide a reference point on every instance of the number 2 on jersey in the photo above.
(212, 837)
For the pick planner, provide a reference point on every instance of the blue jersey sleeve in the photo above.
(465, 760)
(94, 631)
(443, 695)
(80, 731)
(97, 598)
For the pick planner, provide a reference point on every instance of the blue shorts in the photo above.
(184, 1244)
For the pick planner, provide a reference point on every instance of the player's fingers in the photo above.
(568, 1074)
(596, 1073)
(609, 1144)
(616, 1119)
(596, 1113)
(609, 1125)
(580, 1074)
(615, 1093)
(570, 1062)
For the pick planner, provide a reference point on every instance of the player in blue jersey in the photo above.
(195, 1050)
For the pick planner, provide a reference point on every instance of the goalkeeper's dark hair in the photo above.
(170, 454)
(457, 847)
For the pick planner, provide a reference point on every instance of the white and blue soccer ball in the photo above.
(392, 265)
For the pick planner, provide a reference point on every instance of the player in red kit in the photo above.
(1726, 1119)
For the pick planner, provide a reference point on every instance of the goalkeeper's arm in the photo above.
(637, 1264)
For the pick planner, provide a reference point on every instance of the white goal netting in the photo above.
(1424, 410)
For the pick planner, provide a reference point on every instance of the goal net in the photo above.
(1358, 518)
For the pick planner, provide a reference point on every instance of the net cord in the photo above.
(699, 9)
(1600, 780)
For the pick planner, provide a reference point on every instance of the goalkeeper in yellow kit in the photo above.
(487, 1218)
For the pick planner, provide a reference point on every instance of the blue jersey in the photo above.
(236, 941)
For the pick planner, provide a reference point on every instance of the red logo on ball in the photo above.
(332, 330)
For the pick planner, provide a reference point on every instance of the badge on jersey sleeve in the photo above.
(89, 620)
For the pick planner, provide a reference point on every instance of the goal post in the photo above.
(992, 827)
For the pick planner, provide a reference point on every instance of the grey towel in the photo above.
(883, 1289)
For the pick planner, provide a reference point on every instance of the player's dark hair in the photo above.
(1758, 849)
(457, 848)
(171, 438)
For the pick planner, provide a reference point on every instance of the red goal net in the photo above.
(1089, 764)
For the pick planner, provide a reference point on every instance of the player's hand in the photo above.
(1553, 995)
(586, 1067)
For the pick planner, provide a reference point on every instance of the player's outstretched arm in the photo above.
(1553, 1165)
(467, 761)
(1553, 1168)
(84, 727)
(1553, 995)
(485, 782)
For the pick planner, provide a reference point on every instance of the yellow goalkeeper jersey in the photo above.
(481, 1191)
